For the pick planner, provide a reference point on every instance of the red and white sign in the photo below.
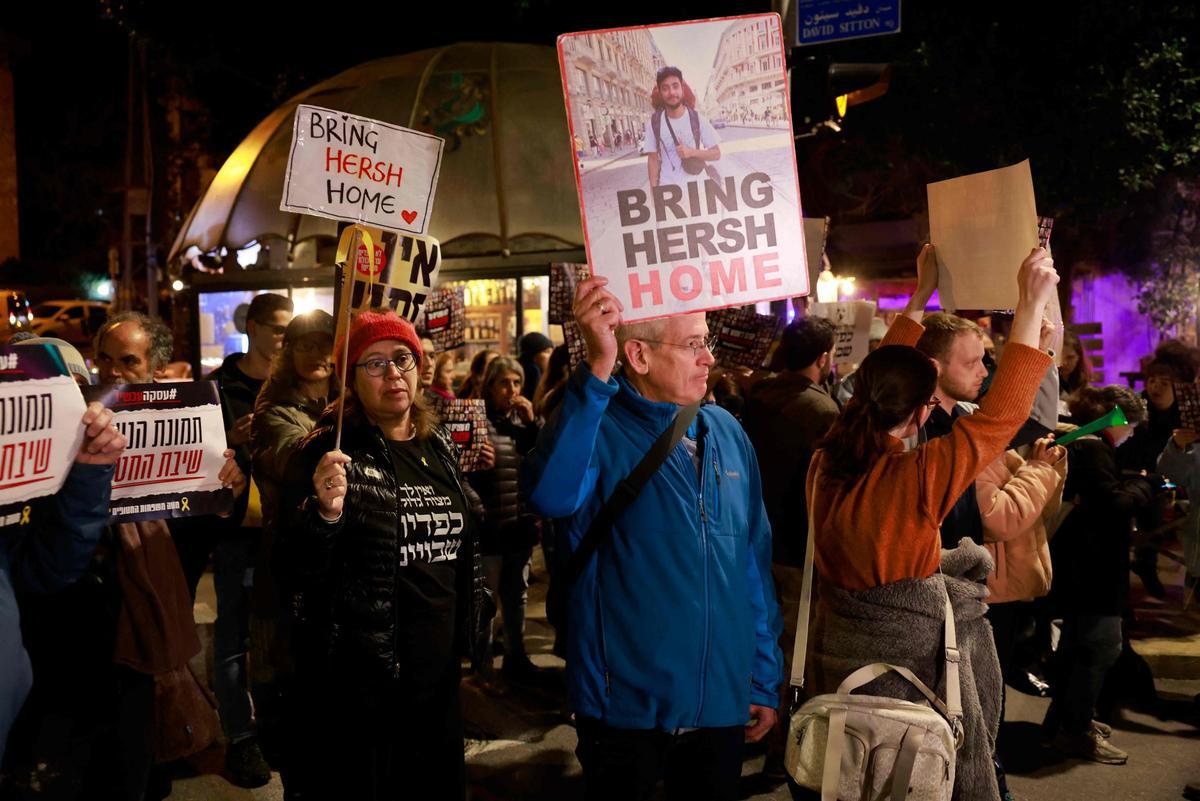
(688, 180)
(361, 170)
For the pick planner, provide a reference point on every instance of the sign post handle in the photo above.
(347, 279)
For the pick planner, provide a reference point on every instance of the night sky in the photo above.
(968, 93)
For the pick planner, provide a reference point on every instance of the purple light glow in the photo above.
(898, 302)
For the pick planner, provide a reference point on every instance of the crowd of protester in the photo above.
(362, 572)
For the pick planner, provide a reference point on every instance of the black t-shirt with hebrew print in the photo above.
(429, 528)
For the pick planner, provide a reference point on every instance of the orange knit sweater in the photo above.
(884, 526)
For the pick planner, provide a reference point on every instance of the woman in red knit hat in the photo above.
(383, 547)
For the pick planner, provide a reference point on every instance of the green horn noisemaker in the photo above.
(1114, 418)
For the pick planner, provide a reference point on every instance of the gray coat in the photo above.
(902, 624)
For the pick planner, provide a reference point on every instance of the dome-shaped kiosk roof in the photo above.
(507, 187)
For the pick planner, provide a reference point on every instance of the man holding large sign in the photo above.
(690, 541)
(706, 222)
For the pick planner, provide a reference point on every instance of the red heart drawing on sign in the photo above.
(408, 216)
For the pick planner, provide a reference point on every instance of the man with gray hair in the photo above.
(665, 693)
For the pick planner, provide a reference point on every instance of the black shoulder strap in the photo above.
(627, 491)
(695, 119)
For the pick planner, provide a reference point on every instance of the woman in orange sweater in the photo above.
(877, 509)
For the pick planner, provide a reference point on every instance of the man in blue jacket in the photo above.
(51, 546)
(672, 659)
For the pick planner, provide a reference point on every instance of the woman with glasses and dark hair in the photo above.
(877, 508)
(510, 530)
(383, 547)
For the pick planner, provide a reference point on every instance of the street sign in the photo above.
(822, 21)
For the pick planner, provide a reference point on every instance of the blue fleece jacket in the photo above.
(674, 623)
(46, 552)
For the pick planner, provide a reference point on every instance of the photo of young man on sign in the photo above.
(692, 202)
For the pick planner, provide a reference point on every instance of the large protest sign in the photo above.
(466, 420)
(706, 213)
(445, 318)
(361, 170)
(743, 336)
(176, 448)
(40, 430)
(982, 226)
(564, 278)
(852, 320)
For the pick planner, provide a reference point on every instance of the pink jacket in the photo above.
(1016, 498)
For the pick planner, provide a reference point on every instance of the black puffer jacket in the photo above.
(333, 604)
(508, 526)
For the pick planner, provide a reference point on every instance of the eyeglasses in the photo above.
(933, 402)
(378, 367)
(277, 330)
(310, 346)
(706, 345)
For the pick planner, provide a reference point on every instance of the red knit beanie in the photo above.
(371, 327)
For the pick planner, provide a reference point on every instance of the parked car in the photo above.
(719, 123)
(76, 321)
(14, 312)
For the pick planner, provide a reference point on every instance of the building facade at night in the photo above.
(615, 71)
(743, 87)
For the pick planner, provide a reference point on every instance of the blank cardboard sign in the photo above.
(983, 226)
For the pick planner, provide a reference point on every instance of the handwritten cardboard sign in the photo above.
(743, 336)
(352, 168)
(982, 226)
(564, 278)
(466, 420)
(705, 213)
(176, 448)
(852, 319)
(40, 431)
(445, 318)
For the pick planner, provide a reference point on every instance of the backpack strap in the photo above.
(694, 117)
(626, 492)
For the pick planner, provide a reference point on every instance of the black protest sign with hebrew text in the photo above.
(466, 420)
(564, 278)
(743, 336)
(445, 319)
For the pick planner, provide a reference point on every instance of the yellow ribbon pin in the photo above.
(183, 504)
(25, 515)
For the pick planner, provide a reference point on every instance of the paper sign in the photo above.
(852, 319)
(982, 226)
(743, 336)
(702, 211)
(816, 236)
(176, 448)
(466, 420)
(361, 170)
(576, 346)
(564, 278)
(445, 318)
(40, 431)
